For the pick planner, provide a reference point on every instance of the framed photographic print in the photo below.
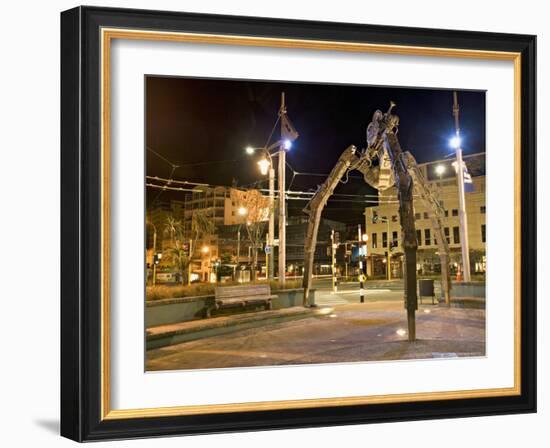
(274, 223)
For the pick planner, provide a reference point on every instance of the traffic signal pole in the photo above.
(333, 262)
(362, 268)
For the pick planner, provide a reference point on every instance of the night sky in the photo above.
(203, 125)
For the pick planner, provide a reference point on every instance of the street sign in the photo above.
(267, 249)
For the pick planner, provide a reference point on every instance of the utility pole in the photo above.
(461, 196)
(267, 256)
(154, 255)
(282, 200)
(271, 229)
(190, 265)
(238, 245)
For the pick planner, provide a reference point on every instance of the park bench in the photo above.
(241, 297)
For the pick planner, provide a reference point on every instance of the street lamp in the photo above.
(288, 135)
(243, 211)
(264, 165)
(457, 145)
(440, 170)
(250, 150)
(455, 142)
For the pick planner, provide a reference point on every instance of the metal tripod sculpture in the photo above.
(384, 165)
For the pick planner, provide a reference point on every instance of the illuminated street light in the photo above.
(455, 142)
(264, 166)
(287, 144)
(242, 211)
(365, 237)
(205, 249)
(249, 150)
(439, 170)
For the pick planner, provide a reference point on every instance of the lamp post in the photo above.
(242, 212)
(456, 143)
(288, 135)
(154, 254)
(266, 167)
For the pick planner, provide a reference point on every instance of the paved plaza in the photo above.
(341, 331)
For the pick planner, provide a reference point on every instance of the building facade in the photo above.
(384, 230)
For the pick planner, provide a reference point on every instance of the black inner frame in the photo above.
(81, 224)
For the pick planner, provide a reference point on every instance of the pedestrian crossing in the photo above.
(330, 300)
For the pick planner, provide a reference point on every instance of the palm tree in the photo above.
(201, 227)
(177, 253)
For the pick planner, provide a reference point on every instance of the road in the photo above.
(348, 292)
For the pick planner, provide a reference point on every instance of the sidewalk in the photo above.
(164, 335)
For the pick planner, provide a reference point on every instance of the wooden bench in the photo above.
(241, 296)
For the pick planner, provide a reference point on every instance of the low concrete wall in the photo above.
(468, 289)
(291, 297)
(171, 311)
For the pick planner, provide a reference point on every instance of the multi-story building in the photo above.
(222, 204)
(295, 237)
(384, 231)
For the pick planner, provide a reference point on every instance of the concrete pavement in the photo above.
(350, 332)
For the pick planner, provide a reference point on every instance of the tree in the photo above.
(257, 214)
(201, 228)
(223, 268)
(177, 253)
